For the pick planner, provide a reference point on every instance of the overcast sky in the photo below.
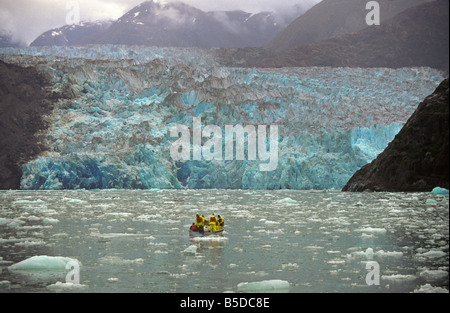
(27, 19)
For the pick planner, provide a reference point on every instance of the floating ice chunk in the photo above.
(433, 275)
(313, 247)
(427, 288)
(192, 249)
(24, 201)
(31, 218)
(287, 201)
(5, 284)
(336, 261)
(48, 220)
(431, 202)
(15, 223)
(43, 262)
(372, 230)
(4, 221)
(439, 191)
(119, 214)
(394, 254)
(432, 254)
(289, 266)
(59, 286)
(264, 286)
(3, 262)
(30, 243)
(369, 253)
(70, 200)
(399, 278)
(120, 261)
(115, 235)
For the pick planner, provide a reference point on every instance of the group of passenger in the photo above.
(202, 225)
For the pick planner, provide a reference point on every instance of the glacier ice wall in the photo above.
(113, 128)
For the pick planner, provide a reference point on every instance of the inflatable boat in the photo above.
(206, 232)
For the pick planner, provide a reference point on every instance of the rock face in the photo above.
(331, 18)
(24, 100)
(419, 36)
(418, 158)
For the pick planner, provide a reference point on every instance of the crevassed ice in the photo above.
(114, 131)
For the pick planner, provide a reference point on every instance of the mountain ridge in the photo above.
(172, 24)
(416, 37)
(330, 18)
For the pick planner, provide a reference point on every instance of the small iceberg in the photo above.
(191, 250)
(372, 230)
(427, 288)
(432, 254)
(439, 191)
(60, 287)
(275, 285)
(43, 263)
(44, 269)
(433, 275)
(288, 201)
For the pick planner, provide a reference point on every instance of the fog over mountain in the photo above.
(26, 20)
(174, 24)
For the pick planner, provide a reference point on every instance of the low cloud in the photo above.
(26, 20)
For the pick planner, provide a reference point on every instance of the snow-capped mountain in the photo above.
(173, 24)
(69, 35)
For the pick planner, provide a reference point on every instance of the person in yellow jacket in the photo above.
(212, 223)
(221, 222)
(204, 219)
(200, 222)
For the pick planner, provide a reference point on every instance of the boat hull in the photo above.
(205, 233)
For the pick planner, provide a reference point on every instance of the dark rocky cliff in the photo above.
(24, 99)
(418, 158)
(419, 36)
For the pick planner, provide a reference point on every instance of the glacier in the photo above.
(112, 129)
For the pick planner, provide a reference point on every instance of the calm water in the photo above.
(137, 241)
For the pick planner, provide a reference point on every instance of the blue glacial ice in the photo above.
(113, 131)
(439, 191)
(43, 263)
